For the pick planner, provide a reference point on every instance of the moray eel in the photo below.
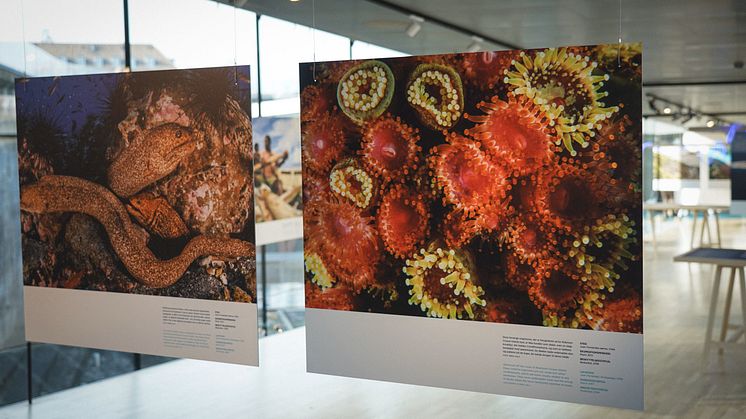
(156, 215)
(150, 157)
(54, 194)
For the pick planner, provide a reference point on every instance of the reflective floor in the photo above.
(677, 297)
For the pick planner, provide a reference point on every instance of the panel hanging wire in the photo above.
(619, 45)
(235, 44)
(313, 35)
(23, 40)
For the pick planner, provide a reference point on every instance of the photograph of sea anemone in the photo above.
(139, 183)
(277, 174)
(490, 186)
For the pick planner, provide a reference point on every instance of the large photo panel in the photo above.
(136, 196)
(473, 221)
(278, 202)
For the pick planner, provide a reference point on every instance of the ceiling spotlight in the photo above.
(476, 44)
(666, 110)
(415, 24)
(710, 123)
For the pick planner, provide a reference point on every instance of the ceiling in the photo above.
(690, 46)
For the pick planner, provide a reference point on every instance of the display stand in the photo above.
(29, 376)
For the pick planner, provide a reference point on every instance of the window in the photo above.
(363, 50)
(196, 33)
(283, 45)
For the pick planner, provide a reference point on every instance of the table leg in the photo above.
(726, 313)
(702, 230)
(707, 225)
(717, 227)
(742, 283)
(711, 316)
(694, 228)
(652, 228)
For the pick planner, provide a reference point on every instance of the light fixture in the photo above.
(415, 25)
(666, 110)
(710, 123)
(476, 44)
(651, 102)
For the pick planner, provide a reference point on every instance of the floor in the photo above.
(56, 367)
(677, 299)
(676, 386)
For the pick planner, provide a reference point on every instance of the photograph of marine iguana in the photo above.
(491, 186)
(139, 183)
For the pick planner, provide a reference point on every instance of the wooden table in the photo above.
(735, 259)
(705, 210)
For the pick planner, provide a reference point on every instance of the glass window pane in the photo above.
(285, 292)
(60, 39)
(363, 50)
(283, 45)
(197, 33)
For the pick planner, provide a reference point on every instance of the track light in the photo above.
(653, 106)
(680, 113)
(476, 44)
(415, 24)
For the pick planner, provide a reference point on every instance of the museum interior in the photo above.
(674, 88)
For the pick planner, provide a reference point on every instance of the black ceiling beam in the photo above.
(715, 115)
(693, 83)
(441, 22)
(727, 113)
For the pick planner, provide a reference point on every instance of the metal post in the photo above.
(264, 289)
(258, 68)
(137, 360)
(127, 49)
(29, 376)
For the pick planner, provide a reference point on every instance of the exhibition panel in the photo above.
(277, 179)
(498, 187)
(136, 203)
